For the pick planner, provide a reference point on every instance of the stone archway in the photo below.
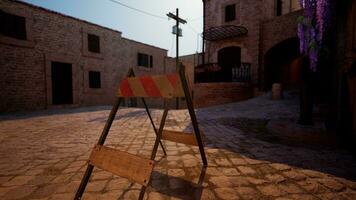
(282, 64)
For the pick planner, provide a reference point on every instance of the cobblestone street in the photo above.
(43, 156)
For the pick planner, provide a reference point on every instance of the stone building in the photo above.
(247, 44)
(251, 41)
(48, 59)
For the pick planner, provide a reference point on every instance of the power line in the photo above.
(194, 19)
(193, 29)
(138, 10)
(160, 17)
(147, 13)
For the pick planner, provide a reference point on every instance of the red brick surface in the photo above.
(208, 94)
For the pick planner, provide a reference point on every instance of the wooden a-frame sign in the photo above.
(136, 168)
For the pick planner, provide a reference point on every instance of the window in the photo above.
(94, 79)
(93, 43)
(12, 26)
(230, 13)
(144, 60)
(279, 7)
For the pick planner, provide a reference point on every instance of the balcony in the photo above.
(213, 72)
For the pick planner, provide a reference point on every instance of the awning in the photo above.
(224, 32)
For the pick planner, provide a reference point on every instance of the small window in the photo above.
(93, 43)
(144, 60)
(12, 26)
(94, 79)
(279, 7)
(230, 13)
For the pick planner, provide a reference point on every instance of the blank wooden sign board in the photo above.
(136, 168)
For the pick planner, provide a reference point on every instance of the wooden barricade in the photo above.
(135, 168)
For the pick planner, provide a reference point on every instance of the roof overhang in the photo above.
(224, 32)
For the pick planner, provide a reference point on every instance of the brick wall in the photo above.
(26, 65)
(275, 31)
(195, 59)
(278, 29)
(249, 14)
(208, 94)
(22, 79)
(265, 29)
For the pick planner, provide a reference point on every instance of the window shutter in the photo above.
(94, 79)
(13, 26)
(93, 43)
(151, 61)
(230, 13)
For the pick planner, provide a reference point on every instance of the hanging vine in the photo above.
(312, 28)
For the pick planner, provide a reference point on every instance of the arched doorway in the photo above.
(228, 58)
(282, 64)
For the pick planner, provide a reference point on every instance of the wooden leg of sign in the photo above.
(153, 125)
(84, 182)
(155, 146)
(131, 73)
(101, 141)
(108, 124)
(193, 117)
(159, 135)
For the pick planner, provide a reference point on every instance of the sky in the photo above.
(137, 26)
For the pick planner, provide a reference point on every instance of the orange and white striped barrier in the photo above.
(136, 168)
(164, 86)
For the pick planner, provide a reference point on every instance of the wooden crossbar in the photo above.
(180, 137)
(132, 167)
(166, 86)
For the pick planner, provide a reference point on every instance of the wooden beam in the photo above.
(180, 137)
(175, 17)
(132, 167)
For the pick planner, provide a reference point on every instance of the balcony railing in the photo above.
(212, 72)
(242, 73)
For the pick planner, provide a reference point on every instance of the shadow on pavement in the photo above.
(50, 112)
(183, 188)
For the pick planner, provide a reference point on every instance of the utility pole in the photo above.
(177, 32)
(203, 45)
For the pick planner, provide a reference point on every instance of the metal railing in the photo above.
(212, 72)
(241, 73)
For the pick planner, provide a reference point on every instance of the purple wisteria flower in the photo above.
(302, 44)
(322, 17)
(313, 57)
(312, 27)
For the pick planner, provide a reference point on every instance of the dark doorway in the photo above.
(62, 89)
(282, 64)
(228, 59)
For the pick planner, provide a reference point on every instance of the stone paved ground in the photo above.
(43, 156)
